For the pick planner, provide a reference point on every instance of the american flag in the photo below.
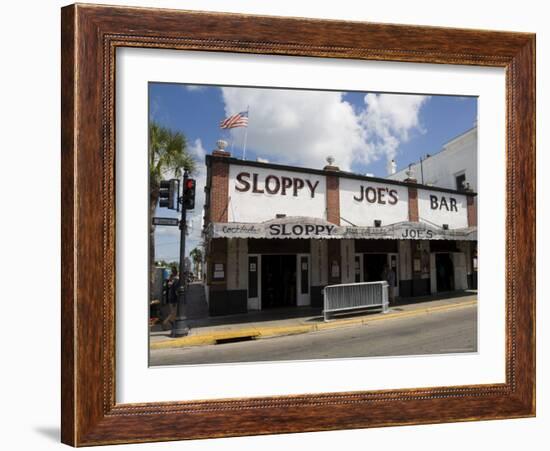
(237, 120)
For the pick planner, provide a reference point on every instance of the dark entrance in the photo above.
(278, 281)
(373, 267)
(444, 270)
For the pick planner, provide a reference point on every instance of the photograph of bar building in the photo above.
(311, 224)
(276, 235)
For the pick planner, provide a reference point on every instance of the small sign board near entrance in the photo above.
(166, 221)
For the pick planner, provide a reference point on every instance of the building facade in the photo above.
(276, 235)
(452, 167)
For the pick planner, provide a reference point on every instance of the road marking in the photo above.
(209, 338)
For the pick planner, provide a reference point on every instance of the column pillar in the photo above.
(413, 204)
(472, 210)
(413, 199)
(219, 186)
(333, 194)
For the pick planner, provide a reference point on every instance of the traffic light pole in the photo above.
(181, 327)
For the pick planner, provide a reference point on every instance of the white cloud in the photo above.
(298, 127)
(197, 151)
(195, 87)
(304, 127)
(389, 118)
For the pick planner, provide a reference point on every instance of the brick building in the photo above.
(276, 235)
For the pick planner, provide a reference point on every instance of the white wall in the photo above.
(258, 207)
(363, 213)
(35, 352)
(457, 156)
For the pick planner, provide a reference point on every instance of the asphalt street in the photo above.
(452, 331)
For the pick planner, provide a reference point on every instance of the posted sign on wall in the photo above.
(443, 208)
(361, 202)
(259, 194)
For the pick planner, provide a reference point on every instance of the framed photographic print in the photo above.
(308, 224)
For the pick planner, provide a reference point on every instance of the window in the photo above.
(460, 179)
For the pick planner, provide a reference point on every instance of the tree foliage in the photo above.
(196, 254)
(168, 158)
(168, 154)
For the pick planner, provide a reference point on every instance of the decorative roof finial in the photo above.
(221, 144)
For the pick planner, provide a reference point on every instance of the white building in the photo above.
(276, 235)
(453, 165)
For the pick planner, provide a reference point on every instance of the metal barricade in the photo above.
(355, 296)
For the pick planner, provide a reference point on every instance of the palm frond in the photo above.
(168, 154)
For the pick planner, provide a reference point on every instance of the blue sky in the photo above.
(361, 130)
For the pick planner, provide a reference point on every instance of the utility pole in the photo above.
(181, 327)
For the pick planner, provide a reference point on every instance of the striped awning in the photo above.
(300, 227)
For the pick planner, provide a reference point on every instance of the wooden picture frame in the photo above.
(90, 36)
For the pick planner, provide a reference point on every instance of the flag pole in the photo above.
(246, 132)
(232, 140)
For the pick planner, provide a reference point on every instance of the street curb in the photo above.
(274, 331)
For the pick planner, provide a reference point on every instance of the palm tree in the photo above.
(168, 158)
(196, 256)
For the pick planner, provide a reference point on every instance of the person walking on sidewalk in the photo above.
(172, 284)
(389, 276)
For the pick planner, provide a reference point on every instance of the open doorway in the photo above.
(444, 270)
(278, 281)
(373, 267)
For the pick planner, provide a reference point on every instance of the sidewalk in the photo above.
(263, 324)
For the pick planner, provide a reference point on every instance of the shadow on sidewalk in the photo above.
(198, 313)
(433, 297)
(195, 301)
(275, 314)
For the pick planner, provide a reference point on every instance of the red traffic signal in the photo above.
(189, 194)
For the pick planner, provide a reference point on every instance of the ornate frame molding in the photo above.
(90, 37)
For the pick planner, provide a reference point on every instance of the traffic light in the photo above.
(188, 196)
(168, 191)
